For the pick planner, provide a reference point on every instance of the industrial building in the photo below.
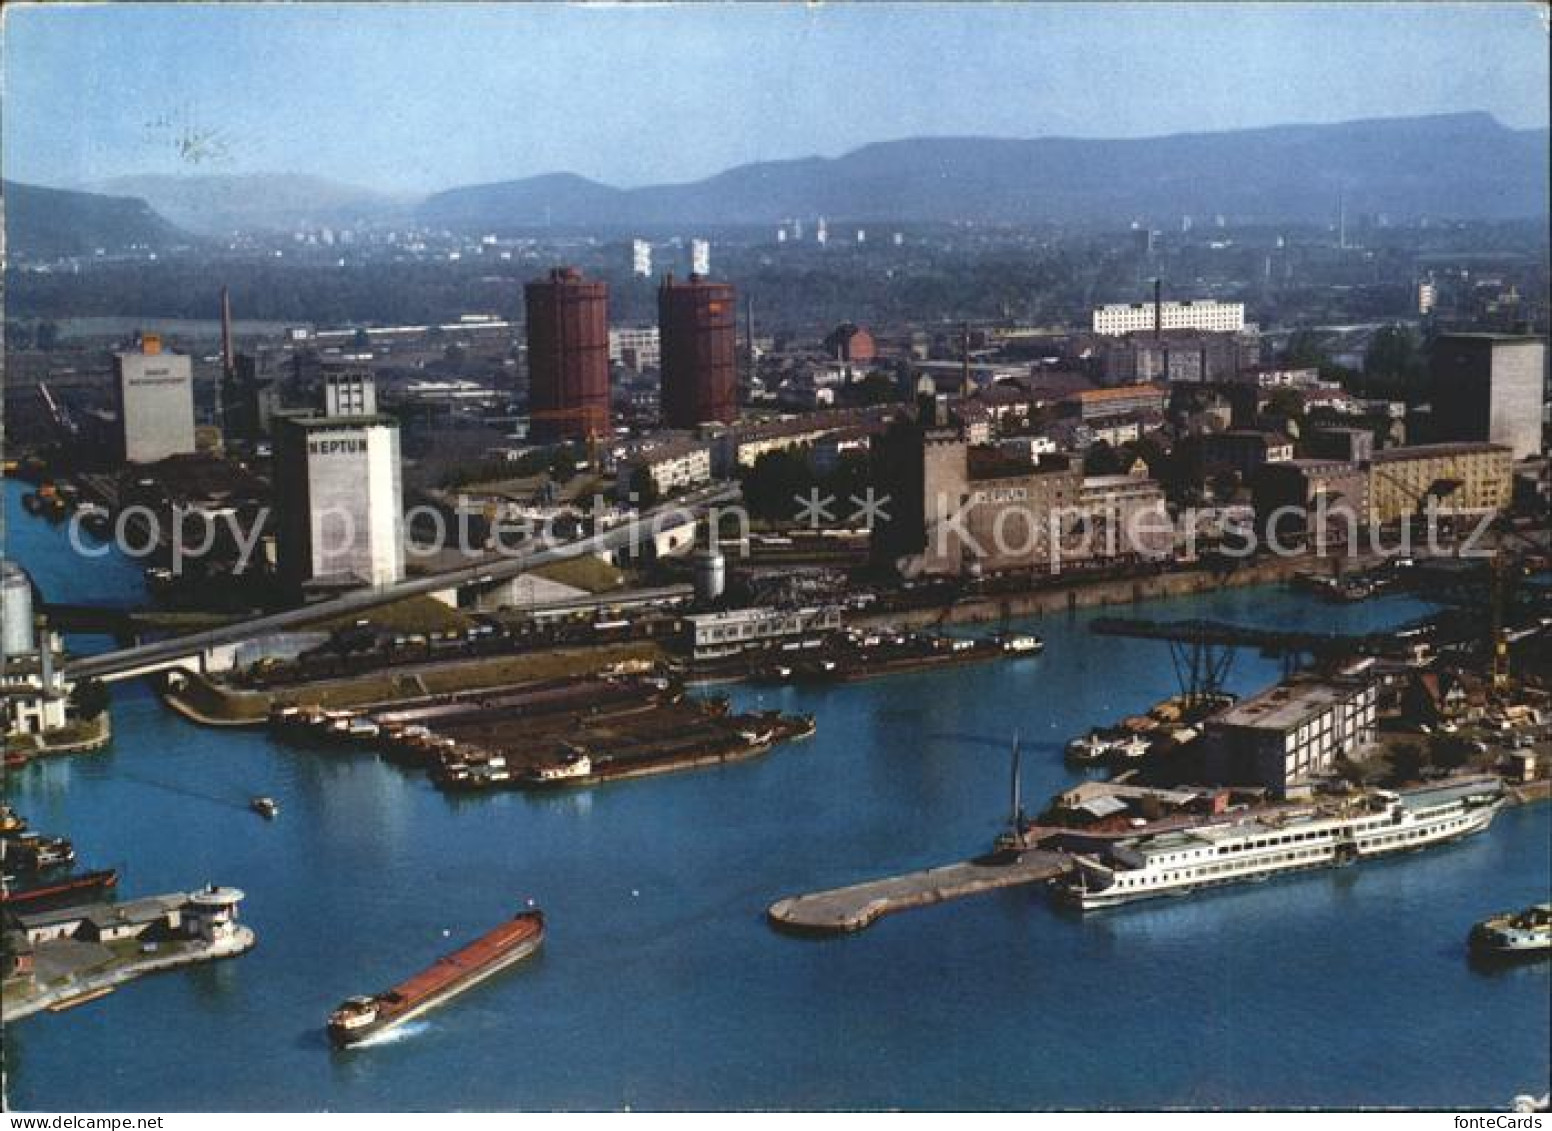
(956, 508)
(672, 465)
(1470, 478)
(34, 695)
(697, 320)
(154, 395)
(338, 490)
(1100, 404)
(568, 356)
(637, 348)
(1290, 732)
(717, 635)
(1130, 317)
(1490, 387)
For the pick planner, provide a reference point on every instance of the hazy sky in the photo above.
(410, 97)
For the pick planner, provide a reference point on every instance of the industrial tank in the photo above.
(568, 355)
(710, 569)
(17, 636)
(698, 332)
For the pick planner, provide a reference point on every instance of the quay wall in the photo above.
(21, 1003)
(1081, 593)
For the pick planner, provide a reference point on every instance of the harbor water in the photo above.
(661, 985)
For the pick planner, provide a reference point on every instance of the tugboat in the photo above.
(358, 1018)
(266, 807)
(1509, 934)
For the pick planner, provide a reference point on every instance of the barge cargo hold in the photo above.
(358, 1018)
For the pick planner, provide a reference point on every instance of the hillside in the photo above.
(1464, 166)
(214, 205)
(47, 222)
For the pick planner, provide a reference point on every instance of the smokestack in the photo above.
(1158, 308)
(228, 365)
(964, 361)
(228, 362)
(749, 334)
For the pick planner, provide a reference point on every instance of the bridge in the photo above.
(215, 649)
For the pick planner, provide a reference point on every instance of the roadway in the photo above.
(162, 654)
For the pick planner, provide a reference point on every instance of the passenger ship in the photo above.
(1179, 861)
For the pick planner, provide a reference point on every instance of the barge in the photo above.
(70, 889)
(358, 1018)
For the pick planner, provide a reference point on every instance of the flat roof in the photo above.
(1435, 451)
(1287, 705)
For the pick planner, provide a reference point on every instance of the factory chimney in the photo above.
(228, 360)
(964, 361)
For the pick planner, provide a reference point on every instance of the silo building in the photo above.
(339, 490)
(697, 320)
(154, 394)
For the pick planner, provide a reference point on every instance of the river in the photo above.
(660, 984)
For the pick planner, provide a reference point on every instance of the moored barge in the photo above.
(359, 1018)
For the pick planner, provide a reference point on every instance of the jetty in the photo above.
(846, 910)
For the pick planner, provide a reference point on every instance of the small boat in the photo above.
(1511, 934)
(577, 766)
(266, 807)
(1092, 749)
(358, 1018)
(1022, 644)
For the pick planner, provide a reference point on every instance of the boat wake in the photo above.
(393, 1036)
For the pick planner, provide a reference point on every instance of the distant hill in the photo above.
(215, 205)
(1464, 166)
(45, 222)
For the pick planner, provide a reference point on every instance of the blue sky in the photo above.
(413, 98)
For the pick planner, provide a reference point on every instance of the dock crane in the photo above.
(57, 412)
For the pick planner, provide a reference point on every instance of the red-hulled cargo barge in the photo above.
(358, 1018)
(71, 889)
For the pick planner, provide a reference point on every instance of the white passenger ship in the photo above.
(1179, 861)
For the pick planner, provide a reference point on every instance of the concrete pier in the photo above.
(844, 910)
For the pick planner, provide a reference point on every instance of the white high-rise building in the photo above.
(641, 258)
(700, 257)
(1427, 297)
(1119, 318)
(822, 234)
(339, 490)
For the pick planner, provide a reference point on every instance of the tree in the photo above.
(1407, 762)
(89, 698)
(1393, 353)
(644, 486)
(878, 388)
(777, 483)
(1101, 459)
(1305, 351)
(1450, 751)
(563, 465)
(1286, 402)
